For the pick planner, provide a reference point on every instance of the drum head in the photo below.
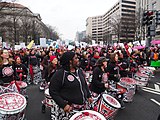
(21, 84)
(87, 115)
(11, 103)
(128, 81)
(141, 75)
(111, 101)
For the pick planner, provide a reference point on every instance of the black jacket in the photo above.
(65, 88)
(113, 71)
(8, 73)
(97, 84)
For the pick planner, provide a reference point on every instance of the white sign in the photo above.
(22, 45)
(43, 42)
(17, 47)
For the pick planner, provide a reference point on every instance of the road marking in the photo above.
(157, 83)
(153, 100)
(156, 87)
(158, 93)
(147, 88)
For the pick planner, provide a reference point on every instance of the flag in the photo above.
(29, 46)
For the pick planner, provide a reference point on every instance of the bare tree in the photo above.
(87, 39)
(115, 25)
(52, 33)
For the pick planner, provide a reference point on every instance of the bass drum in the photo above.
(108, 106)
(12, 106)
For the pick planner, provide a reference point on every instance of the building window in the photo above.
(128, 6)
(126, 10)
(130, 2)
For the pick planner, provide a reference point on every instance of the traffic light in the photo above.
(157, 17)
(145, 18)
(150, 15)
(151, 31)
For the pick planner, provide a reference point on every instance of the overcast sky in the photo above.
(68, 16)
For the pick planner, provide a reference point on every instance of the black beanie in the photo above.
(66, 57)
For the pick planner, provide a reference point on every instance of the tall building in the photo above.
(117, 24)
(94, 28)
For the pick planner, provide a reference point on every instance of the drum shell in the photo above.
(141, 79)
(49, 102)
(17, 116)
(130, 91)
(106, 109)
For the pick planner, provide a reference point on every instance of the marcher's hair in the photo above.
(100, 61)
(112, 57)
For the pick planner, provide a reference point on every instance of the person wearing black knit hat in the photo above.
(68, 88)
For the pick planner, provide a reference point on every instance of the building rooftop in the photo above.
(12, 5)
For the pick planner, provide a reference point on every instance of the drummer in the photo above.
(21, 69)
(99, 80)
(68, 88)
(114, 75)
(7, 69)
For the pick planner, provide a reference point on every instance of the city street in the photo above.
(145, 106)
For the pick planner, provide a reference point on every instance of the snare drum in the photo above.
(108, 106)
(150, 68)
(22, 85)
(145, 71)
(130, 85)
(49, 102)
(12, 106)
(141, 79)
(87, 115)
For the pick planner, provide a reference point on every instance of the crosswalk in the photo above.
(155, 90)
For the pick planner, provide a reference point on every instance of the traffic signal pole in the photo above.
(150, 25)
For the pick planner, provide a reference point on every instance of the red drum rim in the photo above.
(21, 84)
(11, 103)
(111, 101)
(128, 80)
(88, 115)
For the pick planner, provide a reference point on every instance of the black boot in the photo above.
(43, 108)
(122, 104)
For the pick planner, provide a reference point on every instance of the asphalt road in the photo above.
(143, 106)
